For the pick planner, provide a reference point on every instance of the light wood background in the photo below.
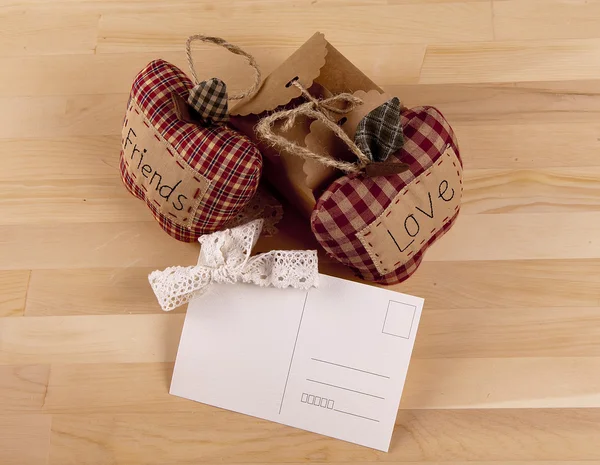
(507, 363)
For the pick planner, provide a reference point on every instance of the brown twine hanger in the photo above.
(233, 49)
(324, 111)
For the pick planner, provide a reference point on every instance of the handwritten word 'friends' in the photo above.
(165, 190)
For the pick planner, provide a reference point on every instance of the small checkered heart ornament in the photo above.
(209, 99)
(379, 134)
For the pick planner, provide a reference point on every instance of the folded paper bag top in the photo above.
(315, 65)
(379, 226)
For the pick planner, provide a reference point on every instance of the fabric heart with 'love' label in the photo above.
(381, 226)
(402, 186)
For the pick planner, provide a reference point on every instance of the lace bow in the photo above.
(225, 258)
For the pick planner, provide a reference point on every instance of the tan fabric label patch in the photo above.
(157, 169)
(416, 214)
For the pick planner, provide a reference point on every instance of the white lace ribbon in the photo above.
(225, 258)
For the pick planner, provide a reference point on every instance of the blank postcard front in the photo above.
(332, 360)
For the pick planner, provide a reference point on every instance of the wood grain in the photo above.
(507, 361)
(108, 73)
(24, 439)
(488, 332)
(516, 284)
(61, 116)
(69, 201)
(506, 284)
(421, 23)
(92, 244)
(14, 285)
(442, 383)
(420, 435)
(96, 291)
(532, 191)
(509, 104)
(532, 19)
(515, 236)
(89, 339)
(23, 388)
(62, 158)
(512, 61)
(515, 146)
(47, 32)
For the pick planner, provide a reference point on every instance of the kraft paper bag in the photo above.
(322, 69)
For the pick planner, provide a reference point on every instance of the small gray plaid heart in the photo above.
(209, 99)
(379, 134)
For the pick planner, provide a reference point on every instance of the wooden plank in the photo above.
(103, 199)
(13, 292)
(504, 145)
(89, 339)
(444, 333)
(69, 201)
(24, 439)
(47, 32)
(420, 435)
(23, 388)
(92, 245)
(444, 285)
(64, 158)
(448, 383)
(505, 284)
(551, 60)
(401, 2)
(486, 191)
(509, 236)
(97, 115)
(508, 332)
(114, 73)
(392, 24)
(520, 236)
(543, 190)
(508, 103)
(375, 61)
(546, 19)
(115, 388)
(98, 291)
(156, 6)
(61, 116)
(490, 383)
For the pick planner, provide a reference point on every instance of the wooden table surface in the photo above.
(507, 362)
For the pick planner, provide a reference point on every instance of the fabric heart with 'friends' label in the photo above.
(194, 175)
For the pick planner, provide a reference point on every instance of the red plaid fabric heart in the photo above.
(194, 179)
(381, 226)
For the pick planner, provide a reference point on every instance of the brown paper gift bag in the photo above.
(319, 67)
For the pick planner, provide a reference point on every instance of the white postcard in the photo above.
(332, 360)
